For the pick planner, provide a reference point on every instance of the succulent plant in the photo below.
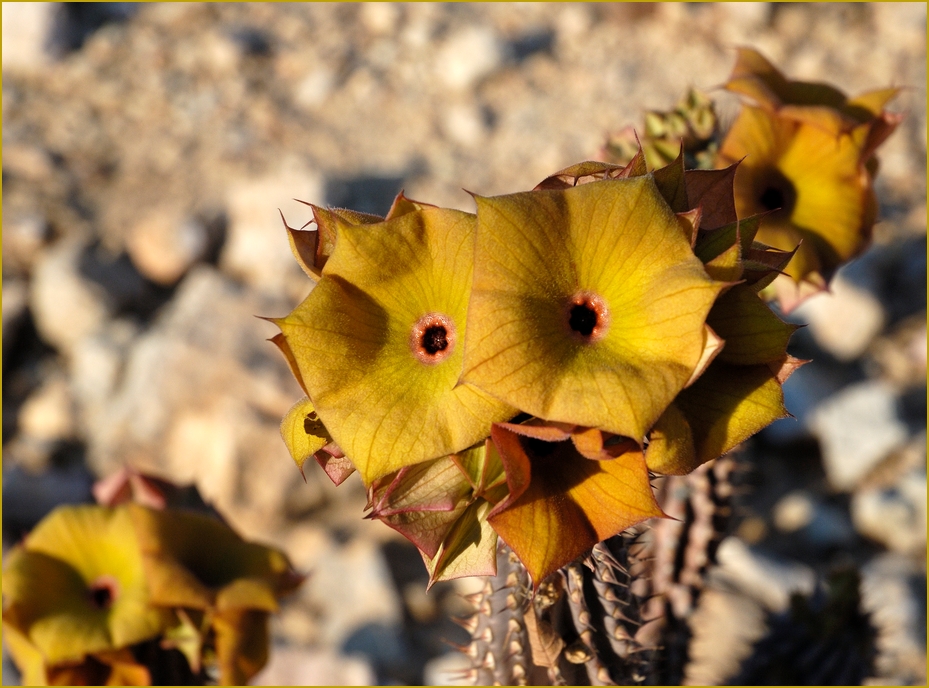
(103, 594)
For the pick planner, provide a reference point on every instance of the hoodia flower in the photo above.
(379, 343)
(807, 158)
(76, 587)
(588, 305)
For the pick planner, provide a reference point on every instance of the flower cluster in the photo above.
(522, 371)
(807, 162)
(96, 594)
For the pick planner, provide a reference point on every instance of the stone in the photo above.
(194, 392)
(467, 56)
(858, 427)
(256, 249)
(894, 515)
(23, 238)
(65, 305)
(30, 163)
(793, 511)
(449, 669)
(301, 666)
(818, 522)
(464, 124)
(47, 413)
(379, 18)
(95, 366)
(163, 245)
(845, 320)
(769, 581)
(893, 590)
(27, 29)
(351, 588)
(900, 356)
(314, 88)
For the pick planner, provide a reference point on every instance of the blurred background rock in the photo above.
(146, 152)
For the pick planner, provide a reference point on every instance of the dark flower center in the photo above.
(583, 319)
(777, 193)
(772, 198)
(103, 592)
(587, 317)
(433, 338)
(538, 449)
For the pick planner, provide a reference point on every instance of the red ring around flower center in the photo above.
(103, 592)
(587, 317)
(433, 338)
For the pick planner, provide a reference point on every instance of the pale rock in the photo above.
(301, 666)
(95, 365)
(351, 588)
(47, 414)
(421, 605)
(379, 18)
(893, 590)
(164, 243)
(747, 16)
(793, 511)
(27, 27)
(30, 163)
(295, 624)
(894, 515)
(23, 238)
(66, 306)
(194, 392)
(220, 53)
(200, 447)
(574, 21)
(449, 669)
(467, 56)
(857, 428)
(314, 88)
(769, 581)
(844, 321)
(818, 522)
(256, 249)
(463, 123)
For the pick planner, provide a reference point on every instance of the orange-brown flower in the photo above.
(807, 159)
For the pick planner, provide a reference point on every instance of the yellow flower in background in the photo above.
(806, 154)
(77, 587)
(97, 594)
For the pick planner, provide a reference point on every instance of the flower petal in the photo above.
(540, 255)
(728, 404)
(386, 403)
(562, 504)
(753, 333)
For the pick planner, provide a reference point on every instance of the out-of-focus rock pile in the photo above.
(147, 150)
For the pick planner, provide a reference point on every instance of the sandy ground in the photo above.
(147, 150)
